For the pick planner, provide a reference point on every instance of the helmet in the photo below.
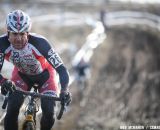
(18, 21)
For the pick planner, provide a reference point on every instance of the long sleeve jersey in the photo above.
(34, 58)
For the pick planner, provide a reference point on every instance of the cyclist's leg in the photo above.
(11, 119)
(14, 103)
(48, 105)
(48, 114)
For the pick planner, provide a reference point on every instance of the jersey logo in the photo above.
(51, 52)
(16, 57)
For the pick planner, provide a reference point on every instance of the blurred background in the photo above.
(117, 45)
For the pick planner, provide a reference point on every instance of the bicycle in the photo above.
(32, 107)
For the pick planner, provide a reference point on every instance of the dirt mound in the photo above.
(125, 84)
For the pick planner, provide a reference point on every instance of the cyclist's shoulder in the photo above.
(39, 42)
(3, 38)
(34, 37)
(4, 43)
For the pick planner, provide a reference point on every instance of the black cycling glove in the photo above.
(7, 85)
(65, 97)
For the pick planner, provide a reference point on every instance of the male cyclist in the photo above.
(35, 61)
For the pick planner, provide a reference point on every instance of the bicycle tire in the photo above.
(28, 125)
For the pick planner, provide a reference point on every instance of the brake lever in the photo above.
(62, 110)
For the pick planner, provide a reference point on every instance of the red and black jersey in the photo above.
(34, 58)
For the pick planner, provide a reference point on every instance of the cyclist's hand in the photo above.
(65, 97)
(7, 85)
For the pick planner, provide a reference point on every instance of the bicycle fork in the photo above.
(30, 115)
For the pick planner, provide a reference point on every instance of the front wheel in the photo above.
(28, 125)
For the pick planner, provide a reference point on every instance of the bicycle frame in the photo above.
(30, 113)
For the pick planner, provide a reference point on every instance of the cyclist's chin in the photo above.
(18, 46)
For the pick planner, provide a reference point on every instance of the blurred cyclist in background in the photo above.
(82, 70)
(35, 61)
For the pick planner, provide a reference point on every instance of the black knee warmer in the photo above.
(47, 119)
(11, 119)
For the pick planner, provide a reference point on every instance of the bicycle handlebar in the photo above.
(37, 95)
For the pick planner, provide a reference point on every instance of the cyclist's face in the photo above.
(18, 40)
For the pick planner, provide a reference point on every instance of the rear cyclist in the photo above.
(82, 70)
(35, 61)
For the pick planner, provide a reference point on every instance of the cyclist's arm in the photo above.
(4, 44)
(64, 76)
(54, 59)
(1, 64)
